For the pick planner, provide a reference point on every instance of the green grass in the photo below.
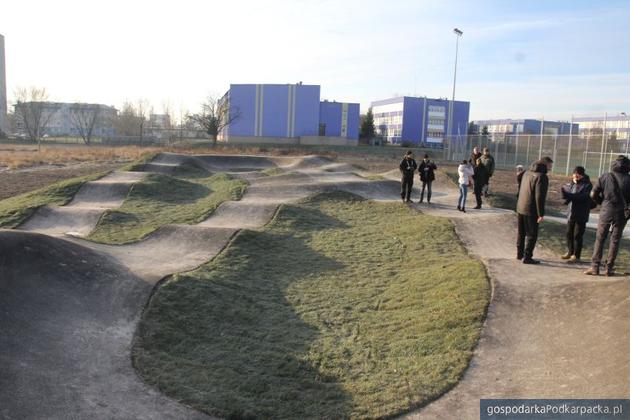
(138, 164)
(15, 210)
(187, 197)
(272, 171)
(553, 236)
(339, 308)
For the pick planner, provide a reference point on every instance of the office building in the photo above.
(419, 120)
(59, 118)
(617, 125)
(288, 114)
(525, 126)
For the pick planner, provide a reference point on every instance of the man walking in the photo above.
(407, 167)
(530, 208)
(487, 160)
(612, 191)
(427, 176)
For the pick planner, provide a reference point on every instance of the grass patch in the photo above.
(553, 236)
(138, 164)
(272, 171)
(160, 200)
(340, 307)
(15, 210)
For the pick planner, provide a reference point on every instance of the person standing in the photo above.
(530, 208)
(480, 179)
(465, 171)
(476, 154)
(427, 170)
(577, 195)
(407, 167)
(612, 191)
(487, 160)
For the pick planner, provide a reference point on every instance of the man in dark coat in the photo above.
(577, 196)
(427, 170)
(474, 155)
(480, 178)
(613, 192)
(407, 167)
(530, 208)
(487, 160)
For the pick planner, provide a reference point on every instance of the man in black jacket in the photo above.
(613, 192)
(530, 208)
(577, 196)
(407, 167)
(427, 170)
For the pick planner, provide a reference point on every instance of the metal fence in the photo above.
(594, 152)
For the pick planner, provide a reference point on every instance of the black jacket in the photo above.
(427, 171)
(577, 196)
(604, 192)
(408, 167)
(481, 176)
(533, 192)
(473, 158)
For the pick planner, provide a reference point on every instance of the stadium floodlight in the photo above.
(449, 124)
(458, 32)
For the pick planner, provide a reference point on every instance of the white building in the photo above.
(617, 125)
(60, 123)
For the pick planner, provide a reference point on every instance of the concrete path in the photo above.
(551, 332)
(70, 307)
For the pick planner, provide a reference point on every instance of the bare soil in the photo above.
(19, 181)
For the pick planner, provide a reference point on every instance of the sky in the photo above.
(516, 59)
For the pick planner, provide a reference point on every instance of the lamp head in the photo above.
(458, 32)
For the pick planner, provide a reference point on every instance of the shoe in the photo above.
(420, 201)
(459, 208)
(593, 271)
(573, 260)
(519, 256)
(477, 207)
(530, 261)
(463, 210)
(403, 199)
(409, 201)
(610, 272)
(566, 256)
(428, 201)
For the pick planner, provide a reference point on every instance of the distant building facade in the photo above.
(525, 126)
(3, 89)
(291, 113)
(59, 119)
(618, 125)
(419, 120)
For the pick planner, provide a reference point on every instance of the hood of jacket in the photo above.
(538, 167)
(621, 165)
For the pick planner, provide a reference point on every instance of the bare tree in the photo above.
(215, 116)
(132, 118)
(33, 111)
(84, 117)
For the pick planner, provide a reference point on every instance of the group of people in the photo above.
(408, 168)
(476, 173)
(611, 193)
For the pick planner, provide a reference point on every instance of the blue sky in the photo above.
(516, 58)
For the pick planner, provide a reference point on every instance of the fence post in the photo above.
(570, 145)
(516, 151)
(529, 139)
(542, 125)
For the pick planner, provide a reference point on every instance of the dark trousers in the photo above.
(478, 193)
(600, 241)
(527, 235)
(427, 185)
(575, 236)
(406, 186)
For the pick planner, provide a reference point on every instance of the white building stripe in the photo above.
(262, 115)
(293, 100)
(256, 110)
(344, 120)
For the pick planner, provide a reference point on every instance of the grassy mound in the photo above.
(187, 197)
(15, 210)
(341, 307)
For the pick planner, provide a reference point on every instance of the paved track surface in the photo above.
(70, 306)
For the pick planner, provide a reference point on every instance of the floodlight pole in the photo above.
(449, 131)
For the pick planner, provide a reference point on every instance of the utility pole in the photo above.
(449, 131)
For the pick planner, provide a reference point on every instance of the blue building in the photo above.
(291, 114)
(526, 126)
(420, 121)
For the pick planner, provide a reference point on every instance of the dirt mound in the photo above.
(67, 321)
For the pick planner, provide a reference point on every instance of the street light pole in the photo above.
(449, 131)
(627, 131)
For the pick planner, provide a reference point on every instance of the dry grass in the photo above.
(23, 156)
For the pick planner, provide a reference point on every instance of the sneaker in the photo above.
(530, 261)
(573, 260)
(566, 256)
(593, 271)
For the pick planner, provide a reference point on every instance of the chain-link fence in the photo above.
(594, 152)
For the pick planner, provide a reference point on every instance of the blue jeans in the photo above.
(463, 191)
